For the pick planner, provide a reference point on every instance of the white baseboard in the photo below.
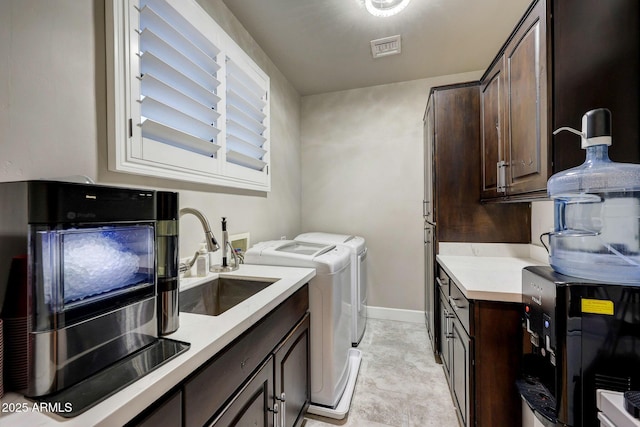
(384, 313)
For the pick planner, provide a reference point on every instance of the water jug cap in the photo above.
(596, 128)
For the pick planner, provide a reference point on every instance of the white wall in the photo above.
(361, 153)
(362, 173)
(53, 116)
(541, 221)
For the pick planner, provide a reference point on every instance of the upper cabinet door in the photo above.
(492, 130)
(527, 158)
(428, 202)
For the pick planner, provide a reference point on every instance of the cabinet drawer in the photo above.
(445, 331)
(460, 305)
(443, 281)
(252, 405)
(166, 413)
(207, 391)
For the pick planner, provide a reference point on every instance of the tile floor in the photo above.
(399, 384)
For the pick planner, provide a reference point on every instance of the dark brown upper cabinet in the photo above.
(564, 58)
(452, 173)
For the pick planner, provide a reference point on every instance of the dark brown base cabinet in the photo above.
(261, 379)
(278, 394)
(481, 352)
(456, 359)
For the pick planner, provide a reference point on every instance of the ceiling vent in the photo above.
(386, 46)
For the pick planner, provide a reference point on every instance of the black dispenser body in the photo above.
(580, 336)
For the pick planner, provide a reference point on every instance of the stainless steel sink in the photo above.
(219, 295)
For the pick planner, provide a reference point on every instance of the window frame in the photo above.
(129, 151)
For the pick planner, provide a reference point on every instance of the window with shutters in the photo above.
(185, 102)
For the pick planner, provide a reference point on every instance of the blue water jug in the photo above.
(596, 211)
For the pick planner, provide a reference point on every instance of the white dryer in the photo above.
(358, 250)
(334, 365)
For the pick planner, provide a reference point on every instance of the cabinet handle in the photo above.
(283, 409)
(243, 363)
(453, 303)
(501, 186)
(447, 333)
(427, 236)
(275, 414)
(446, 323)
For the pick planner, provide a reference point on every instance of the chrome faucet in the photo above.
(210, 239)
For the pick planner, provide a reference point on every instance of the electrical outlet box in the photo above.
(240, 241)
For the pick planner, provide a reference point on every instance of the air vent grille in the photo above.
(613, 383)
(386, 46)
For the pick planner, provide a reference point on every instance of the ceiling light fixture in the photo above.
(385, 8)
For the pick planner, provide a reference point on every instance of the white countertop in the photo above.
(206, 334)
(490, 272)
(611, 403)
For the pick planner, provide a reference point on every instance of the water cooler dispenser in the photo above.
(581, 336)
(582, 318)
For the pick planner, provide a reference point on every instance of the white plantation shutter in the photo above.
(189, 104)
(246, 104)
(174, 58)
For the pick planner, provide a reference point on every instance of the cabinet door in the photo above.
(428, 208)
(460, 372)
(596, 62)
(492, 100)
(207, 391)
(254, 404)
(527, 108)
(429, 283)
(292, 375)
(497, 356)
(445, 333)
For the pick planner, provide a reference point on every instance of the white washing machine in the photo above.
(334, 364)
(358, 250)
